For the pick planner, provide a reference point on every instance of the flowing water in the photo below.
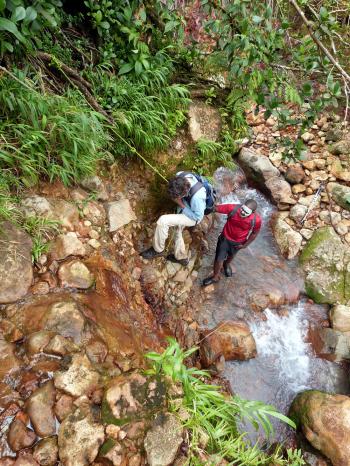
(288, 360)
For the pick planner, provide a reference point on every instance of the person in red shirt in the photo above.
(241, 228)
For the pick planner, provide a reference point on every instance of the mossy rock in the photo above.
(325, 260)
(340, 194)
(132, 397)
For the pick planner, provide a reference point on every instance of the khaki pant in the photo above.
(162, 230)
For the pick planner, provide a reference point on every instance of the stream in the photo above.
(288, 355)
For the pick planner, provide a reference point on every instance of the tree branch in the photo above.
(319, 44)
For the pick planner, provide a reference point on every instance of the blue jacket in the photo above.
(195, 210)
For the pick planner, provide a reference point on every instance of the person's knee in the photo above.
(162, 221)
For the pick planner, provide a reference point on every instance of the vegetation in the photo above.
(213, 418)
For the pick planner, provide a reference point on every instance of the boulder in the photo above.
(334, 134)
(340, 194)
(96, 351)
(132, 397)
(36, 342)
(294, 174)
(204, 122)
(8, 359)
(39, 407)
(19, 436)
(67, 245)
(287, 239)
(65, 319)
(163, 440)
(75, 274)
(65, 213)
(233, 340)
(36, 206)
(25, 460)
(95, 213)
(335, 343)
(46, 451)
(325, 260)
(280, 190)
(7, 461)
(96, 186)
(16, 272)
(297, 212)
(119, 213)
(339, 171)
(79, 439)
(80, 378)
(324, 420)
(258, 167)
(340, 318)
(340, 147)
(60, 346)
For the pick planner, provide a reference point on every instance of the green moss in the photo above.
(320, 235)
(107, 446)
(314, 293)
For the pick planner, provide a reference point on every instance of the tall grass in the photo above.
(47, 136)
(213, 417)
(146, 115)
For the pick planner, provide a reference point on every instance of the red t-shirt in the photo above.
(237, 228)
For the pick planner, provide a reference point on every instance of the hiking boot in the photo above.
(209, 281)
(150, 253)
(228, 270)
(172, 258)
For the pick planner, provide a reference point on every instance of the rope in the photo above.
(138, 153)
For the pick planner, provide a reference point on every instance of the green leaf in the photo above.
(18, 14)
(98, 16)
(257, 19)
(126, 68)
(143, 15)
(104, 25)
(138, 67)
(31, 14)
(9, 26)
(2, 5)
(170, 25)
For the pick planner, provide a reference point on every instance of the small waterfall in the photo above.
(282, 341)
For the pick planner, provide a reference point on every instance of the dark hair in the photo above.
(178, 187)
(251, 204)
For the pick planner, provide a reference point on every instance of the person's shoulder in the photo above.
(258, 219)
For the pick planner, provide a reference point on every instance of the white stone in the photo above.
(119, 214)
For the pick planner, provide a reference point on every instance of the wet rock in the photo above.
(340, 318)
(324, 420)
(65, 319)
(339, 172)
(340, 194)
(132, 397)
(280, 190)
(79, 439)
(65, 213)
(26, 460)
(39, 407)
(40, 288)
(79, 379)
(7, 461)
(325, 261)
(36, 342)
(96, 351)
(8, 359)
(294, 174)
(46, 451)
(335, 343)
(233, 340)
(60, 346)
(204, 122)
(75, 274)
(36, 206)
(16, 272)
(19, 436)
(259, 167)
(67, 245)
(297, 212)
(306, 233)
(95, 185)
(119, 213)
(163, 440)
(63, 407)
(287, 239)
(298, 188)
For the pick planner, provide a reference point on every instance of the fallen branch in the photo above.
(317, 41)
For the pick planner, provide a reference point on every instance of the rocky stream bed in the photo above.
(74, 327)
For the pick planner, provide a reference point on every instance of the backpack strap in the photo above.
(196, 187)
(233, 211)
(252, 226)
